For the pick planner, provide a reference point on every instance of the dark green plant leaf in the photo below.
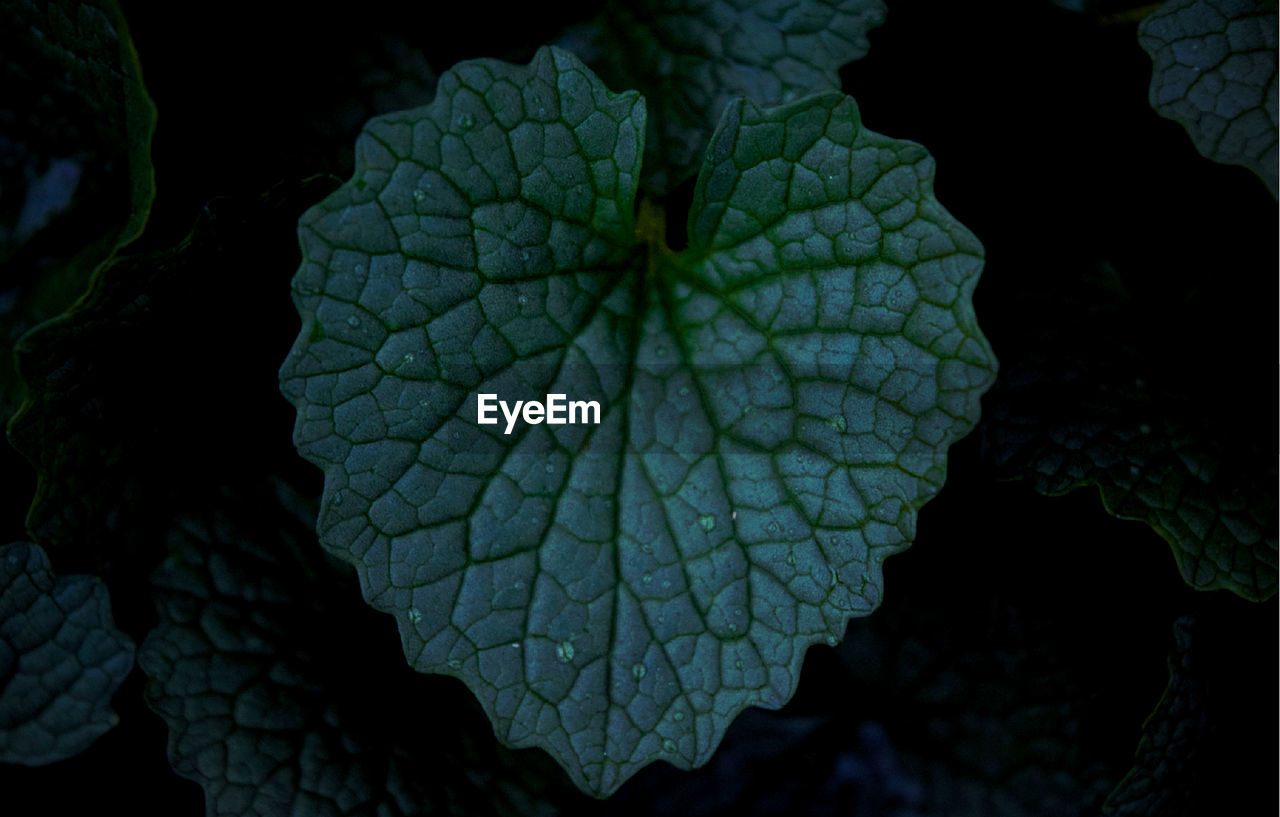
(777, 400)
(61, 659)
(691, 59)
(1215, 72)
(162, 344)
(250, 666)
(75, 163)
(1164, 771)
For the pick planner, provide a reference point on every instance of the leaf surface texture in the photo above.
(1215, 72)
(777, 399)
(691, 59)
(61, 659)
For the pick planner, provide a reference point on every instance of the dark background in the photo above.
(1046, 149)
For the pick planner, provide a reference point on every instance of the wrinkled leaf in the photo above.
(777, 400)
(61, 659)
(1215, 72)
(250, 666)
(75, 164)
(690, 60)
(162, 344)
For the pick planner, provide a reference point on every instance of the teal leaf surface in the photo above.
(777, 400)
(61, 659)
(1215, 72)
(249, 667)
(691, 59)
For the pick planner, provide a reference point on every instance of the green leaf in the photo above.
(690, 60)
(1215, 72)
(777, 400)
(75, 158)
(1163, 777)
(249, 666)
(61, 659)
